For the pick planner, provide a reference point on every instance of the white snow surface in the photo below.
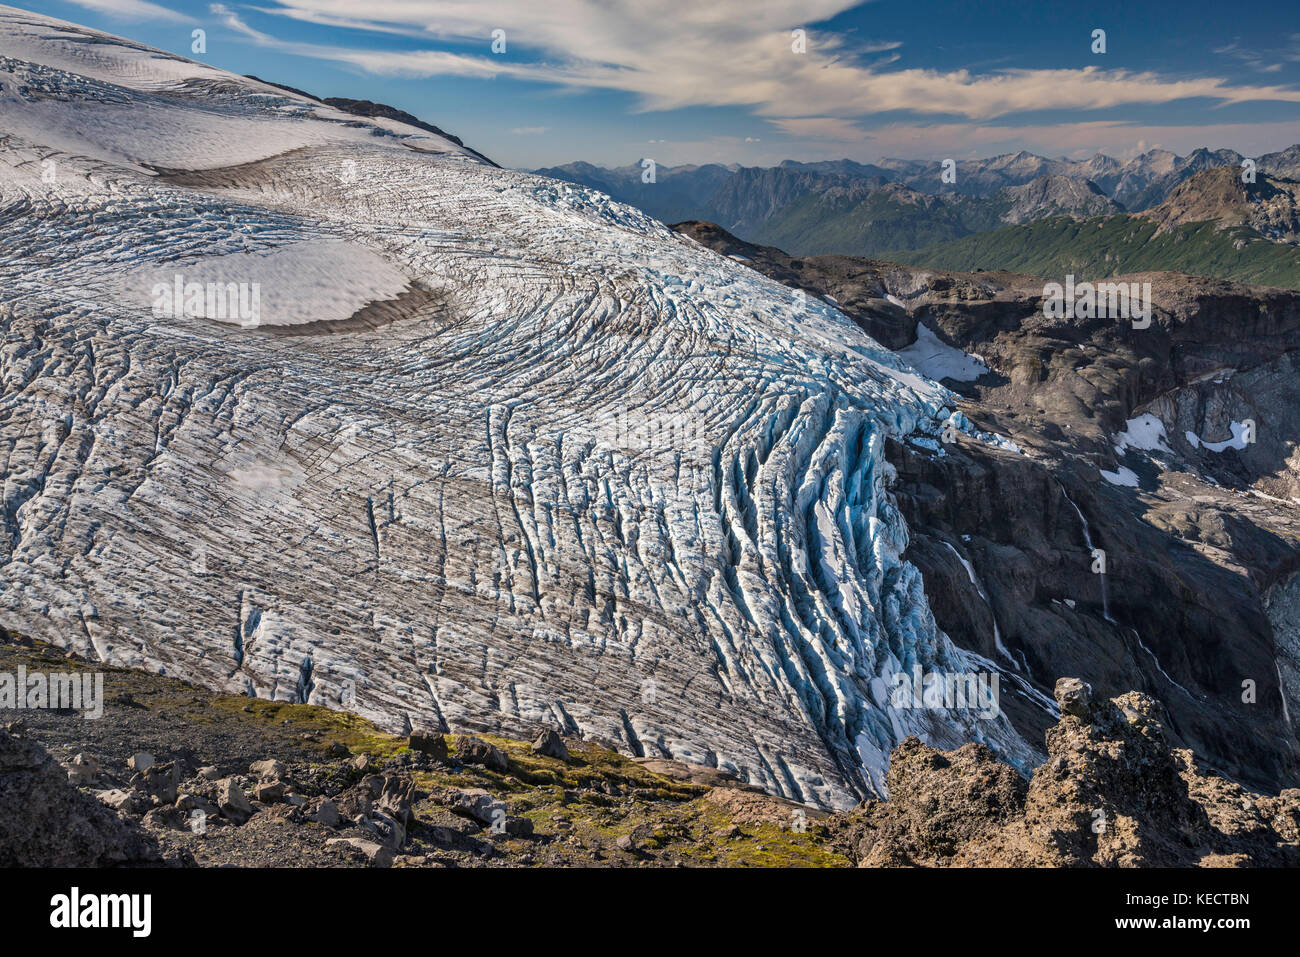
(1145, 432)
(314, 281)
(606, 481)
(938, 360)
(1238, 441)
(1121, 476)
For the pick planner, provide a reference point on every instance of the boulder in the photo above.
(82, 769)
(165, 817)
(269, 792)
(269, 770)
(373, 853)
(119, 800)
(550, 745)
(430, 742)
(474, 803)
(158, 780)
(232, 801)
(140, 761)
(327, 814)
(471, 750)
(1074, 697)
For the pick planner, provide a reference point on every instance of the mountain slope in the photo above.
(1212, 225)
(1095, 249)
(866, 219)
(678, 192)
(862, 219)
(1270, 207)
(495, 452)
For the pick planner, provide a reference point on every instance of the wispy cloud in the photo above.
(1253, 59)
(133, 10)
(821, 127)
(1072, 140)
(731, 53)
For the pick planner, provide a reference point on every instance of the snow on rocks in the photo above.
(937, 360)
(603, 481)
(1122, 476)
(1144, 432)
(1241, 437)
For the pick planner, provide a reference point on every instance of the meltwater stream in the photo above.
(1087, 538)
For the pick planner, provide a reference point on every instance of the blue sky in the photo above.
(682, 81)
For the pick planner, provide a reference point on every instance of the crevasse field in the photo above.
(496, 451)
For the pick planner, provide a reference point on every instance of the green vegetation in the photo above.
(596, 798)
(817, 225)
(1112, 245)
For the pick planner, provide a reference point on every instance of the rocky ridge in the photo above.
(213, 782)
(1267, 205)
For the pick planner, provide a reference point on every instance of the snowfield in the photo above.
(499, 452)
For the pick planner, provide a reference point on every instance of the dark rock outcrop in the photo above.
(1113, 793)
(472, 750)
(45, 822)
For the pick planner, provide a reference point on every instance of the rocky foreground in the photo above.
(173, 775)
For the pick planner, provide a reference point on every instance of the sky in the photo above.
(535, 83)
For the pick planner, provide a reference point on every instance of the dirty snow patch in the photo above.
(313, 281)
(936, 359)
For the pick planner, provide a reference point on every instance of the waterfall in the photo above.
(1087, 538)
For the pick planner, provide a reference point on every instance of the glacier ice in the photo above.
(594, 477)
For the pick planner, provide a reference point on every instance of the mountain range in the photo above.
(849, 208)
(1212, 224)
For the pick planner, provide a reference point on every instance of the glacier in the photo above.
(501, 452)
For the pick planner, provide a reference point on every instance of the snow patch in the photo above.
(1124, 476)
(1238, 441)
(937, 360)
(305, 282)
(1146, 432)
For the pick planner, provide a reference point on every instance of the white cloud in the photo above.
(730, 53)
(132, 10)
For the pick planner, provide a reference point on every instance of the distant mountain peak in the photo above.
(1223, 196)
(1056, 195)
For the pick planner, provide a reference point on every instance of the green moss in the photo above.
(589, 766)
(356, 733)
